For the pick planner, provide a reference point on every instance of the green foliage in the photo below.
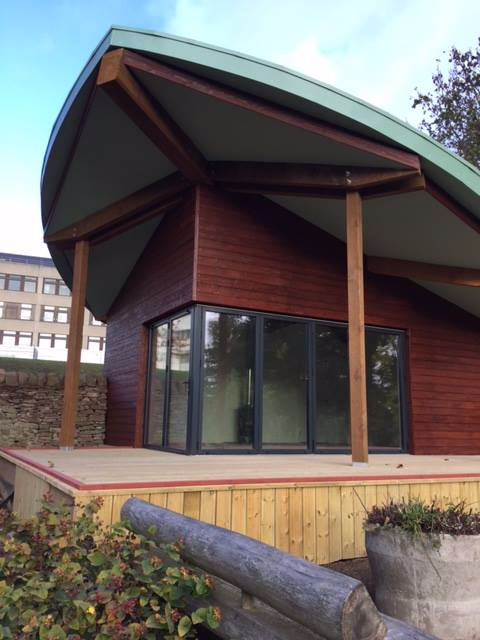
(27, 365)
(64, 580)
(418, 517)
(451, 113)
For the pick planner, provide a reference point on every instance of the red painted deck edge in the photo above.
(81, 486)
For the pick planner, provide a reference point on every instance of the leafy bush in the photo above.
(417, 517)
(64, 580)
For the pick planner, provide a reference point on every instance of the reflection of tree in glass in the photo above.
(284, 383)
(332, 421)
(228, 378)
(382, 389)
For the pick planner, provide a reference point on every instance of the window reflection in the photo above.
(158, 366)
(228, 383)
(284, 400)
(179, 380)
(331, 388)
(383, 397)
(298, 398)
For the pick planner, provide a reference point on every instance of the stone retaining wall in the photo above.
(31, 409)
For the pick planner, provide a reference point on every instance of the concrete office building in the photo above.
(35, 312)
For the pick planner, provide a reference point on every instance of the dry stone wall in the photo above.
(31, 409)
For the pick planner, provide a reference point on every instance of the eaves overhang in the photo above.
(64, 186)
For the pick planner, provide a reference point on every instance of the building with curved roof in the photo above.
(283, 267)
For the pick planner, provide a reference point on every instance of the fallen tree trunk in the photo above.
(334, 606)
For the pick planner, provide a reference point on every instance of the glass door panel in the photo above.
(228, 381)
(383, 389)
(179, 381)
(157, 385)
(332, 425)
(284, 393)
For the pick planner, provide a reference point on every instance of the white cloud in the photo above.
(306, 57)
(378, 50)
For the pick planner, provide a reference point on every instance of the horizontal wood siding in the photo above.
(161, 281)
(253, 254)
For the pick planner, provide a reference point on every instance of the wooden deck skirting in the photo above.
(319, 518)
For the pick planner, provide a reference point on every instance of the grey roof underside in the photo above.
(113, 158)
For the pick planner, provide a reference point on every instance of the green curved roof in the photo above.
(71, 191)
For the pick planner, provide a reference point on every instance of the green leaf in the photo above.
(147, 567)
(199, 616)
(184, 626)
(154, 622)
(97, 558)
(211, 619)
(52, 633)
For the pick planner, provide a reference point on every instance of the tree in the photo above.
(451, 112)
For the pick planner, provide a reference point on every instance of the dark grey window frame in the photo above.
(166, 400)
(195, 409)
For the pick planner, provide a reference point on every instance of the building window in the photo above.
(25, 338)
(26, 311)
(16, 311)
(267, 383)
(52, 340)
(55, 314)
(169, 384)
(95, 343)
(228, 380)
(15, 282)
(15, 338)
(94, 322)
(55, 287)
(8, 337)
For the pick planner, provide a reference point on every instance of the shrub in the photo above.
(418, 517)
(74, 580)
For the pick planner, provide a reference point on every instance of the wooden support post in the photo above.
(72, 370)
(356, 330)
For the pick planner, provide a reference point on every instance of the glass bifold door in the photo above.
(169, 381)
(256, 382)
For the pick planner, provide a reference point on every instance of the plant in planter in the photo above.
(425, 562)
(64, 580)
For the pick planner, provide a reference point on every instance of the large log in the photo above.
(328, 603)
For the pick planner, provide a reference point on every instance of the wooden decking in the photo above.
(114, 468)
(312, 506)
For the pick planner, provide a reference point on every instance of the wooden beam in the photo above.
(312, 178)
(268, 109)
(75, 335)
(452, 205)
(407, 185)
(356, 330)
(424, 271)
(150, 117)
(157, 195)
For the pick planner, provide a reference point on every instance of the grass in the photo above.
(28, 365)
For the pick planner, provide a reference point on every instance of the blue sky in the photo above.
(379, 50)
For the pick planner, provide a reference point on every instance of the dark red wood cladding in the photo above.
(161, 281)
(255, 255)
(247, 252)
